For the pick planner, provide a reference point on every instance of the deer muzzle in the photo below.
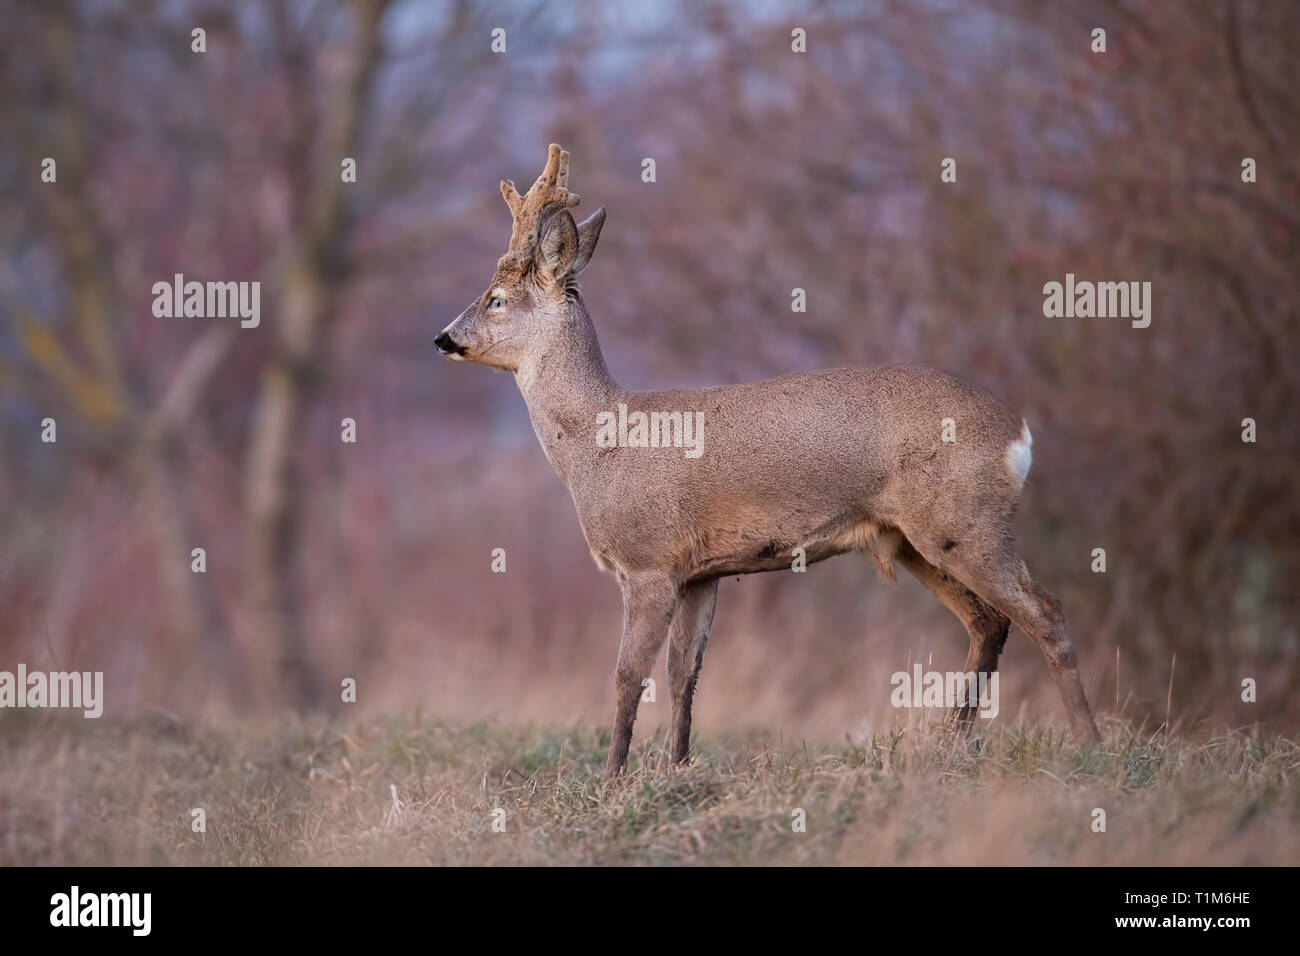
(447, 346)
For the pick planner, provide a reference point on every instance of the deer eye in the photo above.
(497, 303)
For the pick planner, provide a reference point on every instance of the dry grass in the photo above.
(83, 792)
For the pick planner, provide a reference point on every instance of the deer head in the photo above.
(527, 307)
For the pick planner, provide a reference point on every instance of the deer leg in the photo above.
(1003, 580)
(687, 636)
(987, 627)
(1045, 623)
(649, 601)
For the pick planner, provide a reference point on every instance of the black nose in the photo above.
(446, 345)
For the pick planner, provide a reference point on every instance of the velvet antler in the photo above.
(549, 193)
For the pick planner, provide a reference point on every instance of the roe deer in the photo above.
(833, 461)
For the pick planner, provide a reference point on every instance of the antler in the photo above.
(548, 193)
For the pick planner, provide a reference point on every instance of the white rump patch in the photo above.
(1020, 454)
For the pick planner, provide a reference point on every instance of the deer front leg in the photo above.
(649, 601)
(687, 636)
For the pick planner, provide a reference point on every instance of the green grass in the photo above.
(92, 792)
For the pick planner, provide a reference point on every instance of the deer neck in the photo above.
(564, 385)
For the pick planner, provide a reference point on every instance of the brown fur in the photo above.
(834, 461)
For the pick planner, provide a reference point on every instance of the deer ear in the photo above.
(588, 236)
(560, 244)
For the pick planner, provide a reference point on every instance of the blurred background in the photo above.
(775, 170)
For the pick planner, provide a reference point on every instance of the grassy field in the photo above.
(416, 791)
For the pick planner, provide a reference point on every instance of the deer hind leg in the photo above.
(996, 573)
(986, 626)
(649, 601)
(687, 637)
